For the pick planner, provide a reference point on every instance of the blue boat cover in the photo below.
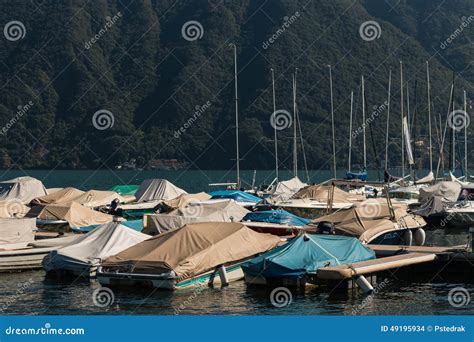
(307, 253)
(276, 216)
(357, 175)
(236, 195)
(133, 224)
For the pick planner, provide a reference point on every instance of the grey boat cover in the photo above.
(220, 211)
(284, 190)
(16, 232)
(446, 191)
(157, 189)
(89, 249)
(23, 189)
(433, 205)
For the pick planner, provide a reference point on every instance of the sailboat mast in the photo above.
(401, 112)
(388, 118)
(332, 122)
(465, 137)
(453, 131)
(363, 123)
(295, 159)
(350, 133)
(275, 128)
(429, 114)
(237, 157)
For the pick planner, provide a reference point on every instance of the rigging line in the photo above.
(302, 144)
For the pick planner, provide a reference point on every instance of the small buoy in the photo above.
(223, 276)
(420, 237)
(364, 284)
(408, 237)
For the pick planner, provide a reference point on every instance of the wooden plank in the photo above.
(372, 266)
(388, 250)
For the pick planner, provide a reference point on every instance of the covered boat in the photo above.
(157, 189)
(125, 190)
(285, 189)
(187, 257)
(23, 189)
(278, 216)
(62, 196)
(221, 211)
(362, 175)
(374, 221)
(243, 198)
(98, 198)
(183, 200)
(73, 214)
(299, 260)
(82, 256)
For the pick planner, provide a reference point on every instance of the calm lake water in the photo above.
(31, 293)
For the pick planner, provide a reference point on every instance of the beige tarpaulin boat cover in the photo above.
(13, 208)
(194, 249)
(284, 190)
(74, 213)
(97, 198)
(183, 200)
(447, 191)
(371, 218)
(22, 188)
(157, 189)
(321, 193)
(429, 178)
(16, 232)
(63, 196)
(221, 211)
(89, 249)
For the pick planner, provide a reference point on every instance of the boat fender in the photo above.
(364, 284)
(408, 237)
(420, 237)
(223, 276)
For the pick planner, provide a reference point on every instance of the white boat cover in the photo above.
(452, 178)
(429, 178)
(447, 191)
(192, 250)
(183, 200)
(74, 213)
(97, 198)
(16, 232)
(221, 211)
(22, 188)
(13, 208)
(62, 196)
(157, 189)
(284, 190)
(89, 249)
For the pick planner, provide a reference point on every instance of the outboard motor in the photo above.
(114, 205)
(326, 228)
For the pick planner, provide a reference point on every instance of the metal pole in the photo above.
(350, 133)
(465, 138)
(401, 111)
(363, 123)
(332, 121)
(275, 130)
(388, 118)
(295, 157)
(236, 118)
(429, 114)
